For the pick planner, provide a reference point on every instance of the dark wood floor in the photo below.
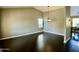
(72, 45)
(40, 42)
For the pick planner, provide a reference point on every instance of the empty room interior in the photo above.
(33, 28)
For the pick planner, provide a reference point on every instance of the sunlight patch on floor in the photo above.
(40, 42)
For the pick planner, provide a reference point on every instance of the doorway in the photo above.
(75, 28)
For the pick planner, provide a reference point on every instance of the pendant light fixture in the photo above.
(48, 14)
(49, 19)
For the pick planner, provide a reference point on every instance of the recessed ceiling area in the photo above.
(46, 8)
(40, 8)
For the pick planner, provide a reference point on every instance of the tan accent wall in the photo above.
(19, 21)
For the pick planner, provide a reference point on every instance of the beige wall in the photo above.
(56, 26)
(19, 21)
(0, 23)
(68, 23)
(68, 27)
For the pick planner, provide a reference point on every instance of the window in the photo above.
(75, 22)
(40, 23)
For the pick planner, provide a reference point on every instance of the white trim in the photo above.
(54, 33)
(20, 35)
(65, 41)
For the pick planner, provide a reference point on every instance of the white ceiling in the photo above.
(40, 8)
(46, 8)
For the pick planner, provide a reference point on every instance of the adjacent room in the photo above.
(72, 29)
(32, 28)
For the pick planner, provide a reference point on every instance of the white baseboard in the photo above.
(20, 35)
(30, 34)
(65, 41)
(54, 33)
